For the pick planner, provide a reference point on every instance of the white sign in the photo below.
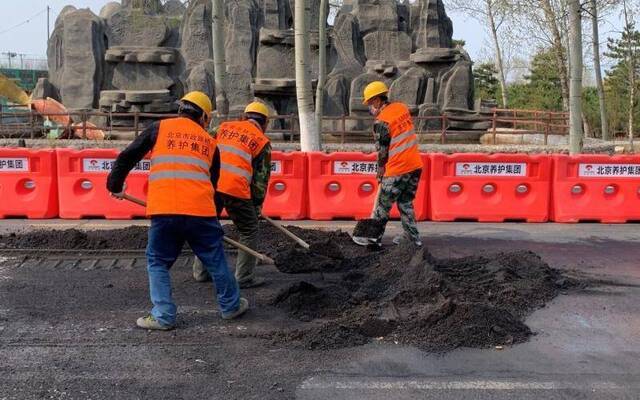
(355, 167)
(276, 167)
(14, 164)
(106, 165)
(491, 169)
(612, 170)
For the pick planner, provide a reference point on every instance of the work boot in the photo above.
(200, 274)
(359, 240)
(149, 322)
(242, 308)
(368, 242)
(402, 238)
(251, 283)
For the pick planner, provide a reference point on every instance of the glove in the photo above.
(119, 195)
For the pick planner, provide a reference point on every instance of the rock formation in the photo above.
(142, 55)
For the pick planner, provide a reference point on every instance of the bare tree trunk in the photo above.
(558, 50)
(219, 60)
(632, 94)
(322, 61)
(496, 43)
(309, 137)
(604, 123)
(575, 89)
(632, 75)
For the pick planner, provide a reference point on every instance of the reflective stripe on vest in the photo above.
(236, 151)
(402, 137)
(236, 170)
(403, 147)
(196, 176)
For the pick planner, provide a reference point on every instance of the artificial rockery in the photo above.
(142, 55)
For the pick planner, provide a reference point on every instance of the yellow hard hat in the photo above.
(374, 89)
(258, 108)
(199, 99)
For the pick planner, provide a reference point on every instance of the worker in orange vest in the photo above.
(399, 164)
(185, 165)
(245, 169)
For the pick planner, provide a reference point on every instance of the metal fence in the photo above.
(25, 78)
(21, 122)
(22, 62)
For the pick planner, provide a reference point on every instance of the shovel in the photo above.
(366, 241)
(259, 256)
(328, 248)
(287, 232)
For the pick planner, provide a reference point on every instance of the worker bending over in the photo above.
(399, 163)
(185, 165)
(245, 153)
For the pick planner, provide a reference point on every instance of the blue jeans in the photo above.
(166, 238)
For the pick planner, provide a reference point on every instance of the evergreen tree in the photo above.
(486, 84)
(542, 90)
(622, 82)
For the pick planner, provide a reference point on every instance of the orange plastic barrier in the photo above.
(287, 192)
(596, 188)
(344, 185)
(82, 185)
(490, 188)
(28, 185)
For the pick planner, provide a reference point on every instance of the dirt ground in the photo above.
(401, 294)
(67, 329)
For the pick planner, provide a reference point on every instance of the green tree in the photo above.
(542, 90)
(591, 109)
(622, 82)
(486, 84)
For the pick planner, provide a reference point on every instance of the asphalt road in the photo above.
(68, 333)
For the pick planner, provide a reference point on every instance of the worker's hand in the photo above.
(258, 211)
(119, 195)
(380, 174)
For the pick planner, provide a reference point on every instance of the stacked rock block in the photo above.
(142, 63)
(142, 55)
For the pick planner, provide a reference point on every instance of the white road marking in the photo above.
(433, 384)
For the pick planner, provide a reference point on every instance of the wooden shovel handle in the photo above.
(287, 232)
(265, 259)
(261, 257)
(134, 199)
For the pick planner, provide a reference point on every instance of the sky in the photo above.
(29, 38)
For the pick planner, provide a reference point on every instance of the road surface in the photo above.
(68, 333)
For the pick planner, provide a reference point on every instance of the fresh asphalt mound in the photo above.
(130, 238)
(354, 294)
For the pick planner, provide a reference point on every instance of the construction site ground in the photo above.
(67, 328)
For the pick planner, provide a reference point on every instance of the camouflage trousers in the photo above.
(401, 190)
(245, 217)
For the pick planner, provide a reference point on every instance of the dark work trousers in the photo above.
(244, 215)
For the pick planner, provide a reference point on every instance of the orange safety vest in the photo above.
(179, 180)
(239, 143)
(404, 156)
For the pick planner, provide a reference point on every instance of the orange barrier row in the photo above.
(82, 185)
(490, 188)
(487, 188)
(596, 188)
(344, 185)
(28, 183)
(287, 192)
